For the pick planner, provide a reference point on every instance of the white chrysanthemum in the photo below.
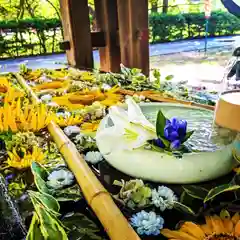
(147, 223)
(71, 130)
(60, 178)
(163, 197)
(46, 98)
(93, 157)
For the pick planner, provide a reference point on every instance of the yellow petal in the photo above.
(217, 224)
(206, 229)
(193, 229)
(237, 229)
(177, 235)
(228, 225)
(235, 218)
(209, 223)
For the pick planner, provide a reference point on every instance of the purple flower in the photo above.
(158, 142)
(175, 144)
(9, 177)
(175, 131)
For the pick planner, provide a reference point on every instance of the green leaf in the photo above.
(183, 208)
(34, 232)
(188, 135)
(196, 191)
(50, 226)
(41, 185)
(46, 200)
(160, 124)
(169, 77)
(141, 195)
(118, 183)
(136, 71)
(165, 142)
(219, 190)
(156, 73)
(79, 221)
(39, 170)
(83, 234)
(68, 194)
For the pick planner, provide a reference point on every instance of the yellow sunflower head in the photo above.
(15, 161)
(215, 228)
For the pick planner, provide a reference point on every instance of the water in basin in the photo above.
(198, 119)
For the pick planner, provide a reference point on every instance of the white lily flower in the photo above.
(131, 125)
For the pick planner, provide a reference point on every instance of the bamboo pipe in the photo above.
(27, 88)
(158, 98)
(96, 195)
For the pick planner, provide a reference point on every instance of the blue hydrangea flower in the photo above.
(60, 178)
(163, 198)
(147, 223)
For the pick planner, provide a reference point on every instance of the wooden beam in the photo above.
(133, 33)
(107, 22)
(76, 27)
(98, 40)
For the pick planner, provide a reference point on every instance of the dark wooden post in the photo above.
(133, 33)
(76, 27)
(107, 22)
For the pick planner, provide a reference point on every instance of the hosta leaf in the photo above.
(79, 221)
(160, 124)
(183, 208)
(41, 185)
(196, 191)
(219, 190)
(50, 226)
(188, 135)
(46, 200)
(39, 170)
(34, 232)
(68, 194)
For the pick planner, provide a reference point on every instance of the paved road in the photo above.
(56, 60)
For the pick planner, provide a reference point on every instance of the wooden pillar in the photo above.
(107, 22)
(76, 27)
(133, 33)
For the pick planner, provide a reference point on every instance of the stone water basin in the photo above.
(207, 161)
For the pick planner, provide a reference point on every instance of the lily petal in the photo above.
(135, 114)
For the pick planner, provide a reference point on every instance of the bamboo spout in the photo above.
(97, 196)
(27, 89)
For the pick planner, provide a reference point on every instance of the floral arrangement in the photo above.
(136, 131)
(37, 177)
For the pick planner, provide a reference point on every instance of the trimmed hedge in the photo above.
(42, 36)
(24, 24)
(165, 28)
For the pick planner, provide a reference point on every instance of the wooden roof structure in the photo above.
(121, 36)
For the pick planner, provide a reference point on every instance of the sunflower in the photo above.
(215, 228)
(15, 161)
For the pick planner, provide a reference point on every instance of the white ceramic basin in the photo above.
(160, 167)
